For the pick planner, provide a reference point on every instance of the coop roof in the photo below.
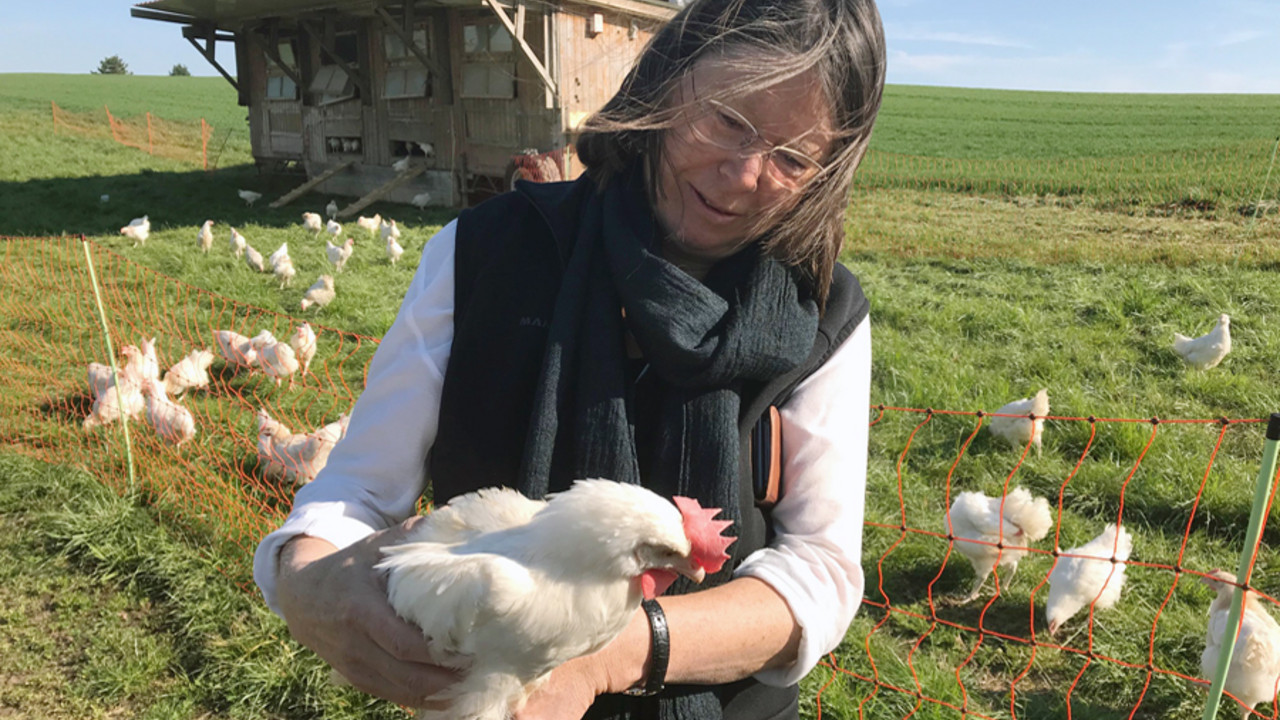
(229, 12)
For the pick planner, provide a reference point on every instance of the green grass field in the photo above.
(977, 299)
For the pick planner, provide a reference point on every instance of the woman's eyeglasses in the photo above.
(721, 126)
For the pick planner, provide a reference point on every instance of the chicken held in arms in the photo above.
(511, 588)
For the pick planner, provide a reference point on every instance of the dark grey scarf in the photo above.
(748, 321)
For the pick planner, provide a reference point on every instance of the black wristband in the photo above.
(659, 651)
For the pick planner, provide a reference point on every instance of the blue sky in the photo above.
(1177, 46)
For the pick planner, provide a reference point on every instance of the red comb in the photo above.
(706, 535)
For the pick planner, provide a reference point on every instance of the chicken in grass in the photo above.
(421, 200)
(334, 228)
(249, 197)
(295, 457)
(394, 250)
(1254, 671)
(1207, 350)
(1088, 575)
(975, 517)
(138, 230)
(149, 361)
(370, 224)
(280, 253)
(238, 243)
(1018, 431)
(205, 237)
(101, 378)
(284, 271)
(331, 209)
(476, 579)
(278, 361)
(254, 259)
(340, 254)
(303, 342)
(390, 230)
(235, 348)
(312, 223)
(172, 422)
(107, 408)
(189, 373)
(320, 293)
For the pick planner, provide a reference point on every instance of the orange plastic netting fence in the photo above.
(183, 141)
(913, 651)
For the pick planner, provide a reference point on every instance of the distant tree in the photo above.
(179, 70)
(112, 66)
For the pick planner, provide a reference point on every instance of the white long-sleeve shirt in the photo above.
(376, 474)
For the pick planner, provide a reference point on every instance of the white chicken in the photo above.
(428, 150)
(390, 230)
(254, 259)
(235, 348)
(394, 250)
(189, 373)
(370, 224)
(249, 197)
(100, 377)
(1254, 671)
(281, 252)
(974, 516)
(1018, 431)
(1207, 350)
(172, 422)
(149, 362)
(125, 397)
(295, 457)
(479, 584)
(205, 236)
(138, 230)
(303, 342)
(421, 200)
(278, 361)
(285, 271)
(340, 254)
(334, 228)
(402, 164)
(331, 209)
(238, 243)
(312, 223)
(320, 293)
(1077, 581)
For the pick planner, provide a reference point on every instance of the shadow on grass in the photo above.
(53, 206)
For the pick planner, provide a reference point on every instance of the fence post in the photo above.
(1261, 492)
(150, 144)
(111, 356)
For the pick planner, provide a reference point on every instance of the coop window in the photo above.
(486, 38)
(279, 85)
(406, 77)
(332, 84)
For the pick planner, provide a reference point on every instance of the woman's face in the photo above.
(710, 196)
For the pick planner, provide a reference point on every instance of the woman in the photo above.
(635, 324)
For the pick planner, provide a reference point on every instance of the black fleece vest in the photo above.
(510, 257)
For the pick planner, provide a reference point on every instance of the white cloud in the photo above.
(932, 63)
(1239, 38)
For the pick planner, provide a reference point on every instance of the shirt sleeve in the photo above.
(376, 474)
(815, 559)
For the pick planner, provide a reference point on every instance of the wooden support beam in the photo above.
(305, 187)
(407, 38)
(382, 191)
(524, 46)
(208, 52)
(361, 80)
(520, 18)
(162, 16)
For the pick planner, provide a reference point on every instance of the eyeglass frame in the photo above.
(753, 139)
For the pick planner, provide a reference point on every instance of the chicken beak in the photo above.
(692, 570)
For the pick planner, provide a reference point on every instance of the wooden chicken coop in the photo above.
(380, 100)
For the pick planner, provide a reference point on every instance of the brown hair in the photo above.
(771, 41)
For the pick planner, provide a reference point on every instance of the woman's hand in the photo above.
(335, 603)
(568, 693)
